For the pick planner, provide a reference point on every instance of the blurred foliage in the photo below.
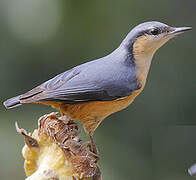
(153, 138)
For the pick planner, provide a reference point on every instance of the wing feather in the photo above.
(82, 84)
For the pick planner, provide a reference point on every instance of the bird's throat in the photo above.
(143, 63)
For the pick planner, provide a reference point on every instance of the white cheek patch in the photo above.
(156, 41)
(148, 44)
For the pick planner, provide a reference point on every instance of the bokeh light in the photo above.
(33, 21)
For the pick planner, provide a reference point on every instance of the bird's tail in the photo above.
(12, 102)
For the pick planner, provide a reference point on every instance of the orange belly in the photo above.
(92, 113)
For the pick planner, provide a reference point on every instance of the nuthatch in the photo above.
(92, 91)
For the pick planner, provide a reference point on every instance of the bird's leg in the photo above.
(62, 113)
(93, 145)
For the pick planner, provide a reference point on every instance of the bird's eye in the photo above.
(155, 31)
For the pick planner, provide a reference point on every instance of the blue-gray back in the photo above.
(107, 78)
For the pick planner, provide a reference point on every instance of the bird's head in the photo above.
(146, 38)
(143, 41)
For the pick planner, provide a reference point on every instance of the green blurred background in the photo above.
(152, 139)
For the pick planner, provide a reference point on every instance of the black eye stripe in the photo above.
(155, 31)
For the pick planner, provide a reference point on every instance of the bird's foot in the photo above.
(93, 146)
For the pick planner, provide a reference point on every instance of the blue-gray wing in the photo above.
(86, 83)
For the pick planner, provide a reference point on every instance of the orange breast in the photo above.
(93, 112)
(85, 110)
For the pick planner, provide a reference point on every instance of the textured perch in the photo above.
(54, 151)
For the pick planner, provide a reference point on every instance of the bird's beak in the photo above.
(180, 30)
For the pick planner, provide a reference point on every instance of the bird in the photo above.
(92, 91)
